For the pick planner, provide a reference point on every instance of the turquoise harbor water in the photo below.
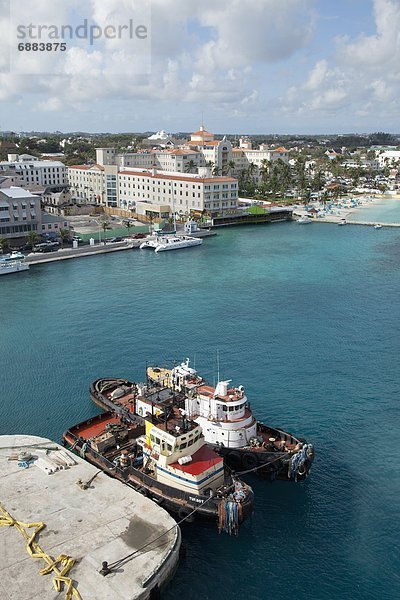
(307, 319)
(386, 210)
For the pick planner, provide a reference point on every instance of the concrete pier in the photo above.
(336, 220)
(66, 253)
(105, 522)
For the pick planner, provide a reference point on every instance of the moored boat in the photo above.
(15, 255)
(171, 242)
(224, 414)
(7, 267)
(165, 458)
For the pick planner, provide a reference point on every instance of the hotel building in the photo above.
(145, 192)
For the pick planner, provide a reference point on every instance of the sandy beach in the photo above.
(365, 212)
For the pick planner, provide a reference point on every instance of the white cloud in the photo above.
(317, 76)
(362, 78)
(52, 104)
(201, 52)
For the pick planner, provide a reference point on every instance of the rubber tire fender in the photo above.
(250, 460)
(234, 460)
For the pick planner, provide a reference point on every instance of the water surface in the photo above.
(307, 319)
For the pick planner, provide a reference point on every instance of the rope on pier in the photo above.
(108, 568)
(60, 566)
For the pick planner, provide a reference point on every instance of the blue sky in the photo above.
(250, 66)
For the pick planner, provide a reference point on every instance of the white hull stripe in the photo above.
(191, 481)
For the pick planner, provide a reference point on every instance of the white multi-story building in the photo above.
(33, 172)
(131, 188)
(245, 155)
(201, 150)
(388, 158)
(177, 160)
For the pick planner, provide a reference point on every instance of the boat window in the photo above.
(169, 447)
(182, 446)
(231, 408)
(224, 407)
(157, 440)
(152, 438)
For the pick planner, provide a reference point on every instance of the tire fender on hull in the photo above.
(250, 460)
(234, 460)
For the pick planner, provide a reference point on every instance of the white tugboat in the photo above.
(230, 428)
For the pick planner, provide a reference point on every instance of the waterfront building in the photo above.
(141, 191)
(33, 172)
(19, 212)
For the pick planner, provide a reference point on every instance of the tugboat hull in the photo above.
(179, 503)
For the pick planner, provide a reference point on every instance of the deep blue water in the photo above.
(307, 319)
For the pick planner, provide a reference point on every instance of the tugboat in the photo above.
(164, 456)
(224, 414)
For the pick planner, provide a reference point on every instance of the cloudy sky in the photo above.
(266, 66)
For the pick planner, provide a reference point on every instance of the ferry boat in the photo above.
(224, 414)
(164, 456)
(7, 267)
(304, 220)
(171, 242)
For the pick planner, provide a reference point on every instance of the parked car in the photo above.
(115, 239)
(138, 236)
(45, 247)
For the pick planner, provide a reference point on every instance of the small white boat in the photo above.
(7, 267)
(173, 242)
(304, 220)
(13, 256)
(377, 226)
(342, 222)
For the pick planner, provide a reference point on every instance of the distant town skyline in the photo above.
(253, 66)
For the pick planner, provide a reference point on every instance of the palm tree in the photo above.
(216, 170)
(251, 169)
(64, 235)
(32, 238)
(150, 219)
(128, 226)
(265, 169)
(105, 227)
(3, 244)
(231, 166)
(190, 166)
